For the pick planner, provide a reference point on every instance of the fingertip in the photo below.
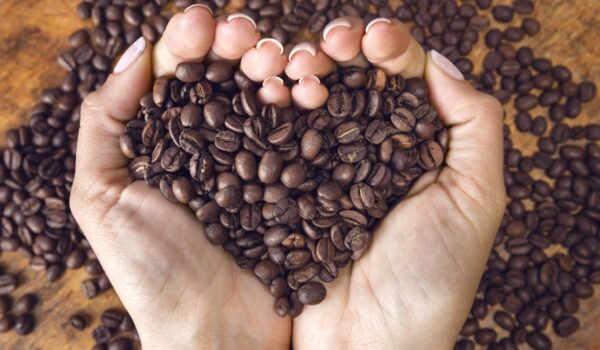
(234, 35)
(341, 38)
(274, 92)
(265, 60)
(309, 93)
(197, 26)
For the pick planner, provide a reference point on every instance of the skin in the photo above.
(412, 289)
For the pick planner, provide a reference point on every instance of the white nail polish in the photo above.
(199, 5)
(268, 80)
(130, 55)
(446, 65)
(233, 16)
(305, 46)
(338, 22)
(270, 40)
(310, 77)
(377, 20)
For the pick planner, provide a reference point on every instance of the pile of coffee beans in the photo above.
(17, 315)
(550, 223)
(292, 195)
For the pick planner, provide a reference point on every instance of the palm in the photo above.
(421, 269)
(173, 270)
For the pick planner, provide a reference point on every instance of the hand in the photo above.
(183, 293)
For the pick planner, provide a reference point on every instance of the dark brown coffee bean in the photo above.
(78, 322)
(485, 336)
(24, 324)
(8, 283)
(539, 341)
(297, 258)
(311, 293)
(266, 270)
(25, 304)
(190, 72)
(270, 167)
(249, 102)
(89, 289)
(219, 72)
(120, 344)
(566, 326)
(347, 132)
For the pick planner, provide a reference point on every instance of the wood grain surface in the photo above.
(33, 32)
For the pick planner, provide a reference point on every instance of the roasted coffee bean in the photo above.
(25, 304)
(8, 283)
(538, 340)
(89, 289)
(270, 167)
(120, 344)
(78, 322)
(311, 293)
(190, 72)
(24, 324)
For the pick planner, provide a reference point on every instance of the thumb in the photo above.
(474, 121)
(103, 117)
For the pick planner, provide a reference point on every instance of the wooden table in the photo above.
(33, 32)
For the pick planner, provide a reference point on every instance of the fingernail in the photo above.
(273, 79)
(338, 22)
(446, 65)
(131, 55)
(305, 46)
(377, 20)
(199, 5)
(270, 40)
(233, 16)
(309, 77)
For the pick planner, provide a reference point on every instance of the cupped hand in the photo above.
(414, 286)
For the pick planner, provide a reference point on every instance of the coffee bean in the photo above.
(538, 341)
(78, 322)
(25, 304)
(24, 324)
(102, 334)
(270, 167)
(120, 344)
(190, 72)
(89, 289)
(485, 336)
(311, 293)
(8, 283)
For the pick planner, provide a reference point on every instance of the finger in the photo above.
(341, 40)
(264, 60)
(309, 93)
(274, 92)
(234, 35)
(388, 45)
(474, 119)
(103, 116)
(188, 37)
(306, 59)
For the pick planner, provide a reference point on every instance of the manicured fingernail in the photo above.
(446, 65)
(131, 55)
(377, 20)
(305, 46)
(233, 16)
(314, 78)
(271, 80)
(270, 40)
(338, 22)
(199, 5)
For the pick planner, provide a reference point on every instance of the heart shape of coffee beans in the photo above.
(293, 195)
